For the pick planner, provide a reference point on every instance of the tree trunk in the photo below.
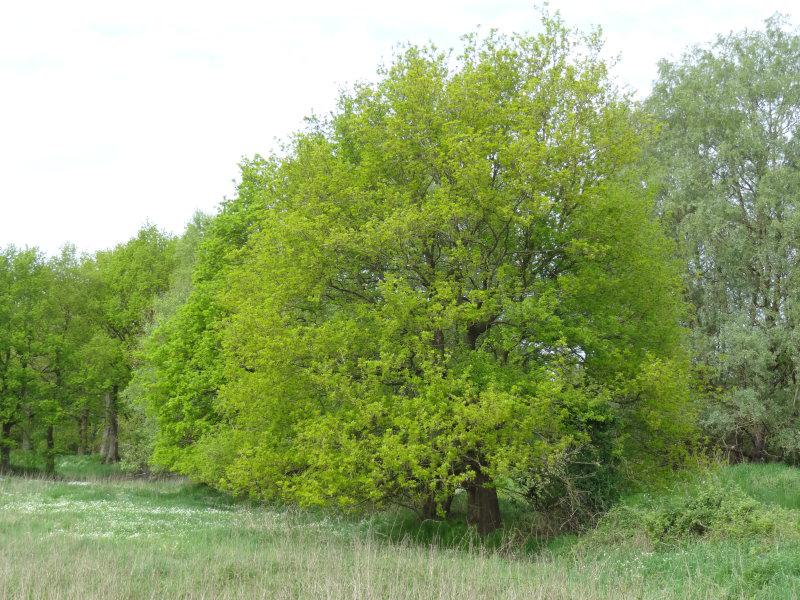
(110, 448)
(429, 508)
(83, 432)
(104, 444)
(758, 452)
(483, 507)
(447, 506)
(5, 449)
(27, 443)
(50, 457)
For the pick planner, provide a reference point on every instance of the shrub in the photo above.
(713, 510)
(708, 508)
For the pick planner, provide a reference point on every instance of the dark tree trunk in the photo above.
(83, 432)
(758, 451)
(27, 443)
(430, 509)
(50, 457)
(5, 449)
(447, 505)
(429, 512)
(483, 507)
(110, 448)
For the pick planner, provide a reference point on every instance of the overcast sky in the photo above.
(114, 113)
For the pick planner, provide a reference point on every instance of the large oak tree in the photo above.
(454, 282)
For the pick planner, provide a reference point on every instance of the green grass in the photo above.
(771, 484)
(106, 537)
(86, 467)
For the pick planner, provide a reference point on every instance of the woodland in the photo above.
(490, 274)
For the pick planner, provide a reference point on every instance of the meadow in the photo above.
(96, 534)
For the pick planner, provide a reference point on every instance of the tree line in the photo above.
(69, 328)
(486, 272)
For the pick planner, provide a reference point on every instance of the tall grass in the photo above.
(136, 539)
(76, 467)
(771, 483)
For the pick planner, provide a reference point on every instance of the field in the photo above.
(97, 536)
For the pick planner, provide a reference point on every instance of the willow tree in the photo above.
(729, 156)
(457, 284)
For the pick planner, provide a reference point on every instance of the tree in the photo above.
(127, 279)
(455, 282)
(69, 327)
(46, 324)
(8, 408)
(25, 283)
(66, 329)
(141, 427)
(727, 157)
(184, 351)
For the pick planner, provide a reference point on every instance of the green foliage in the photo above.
(138, 432)
(713, 510)
(37, 347)
(715, 505)
(455, 281)
(183, 352)
(726, 160)
(68, 329)
(128, 279)
(140, 423)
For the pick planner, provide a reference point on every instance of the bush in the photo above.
(719, 511)
(708, 508)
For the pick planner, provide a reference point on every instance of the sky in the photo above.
(114, 114)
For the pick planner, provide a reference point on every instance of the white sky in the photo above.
(114, 113)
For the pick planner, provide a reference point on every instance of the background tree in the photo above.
(184, 350)
(127, 279)
(66, 328)
(139, 430)
(23, 388)
(69, 328)
(8, 406)
(728, 157)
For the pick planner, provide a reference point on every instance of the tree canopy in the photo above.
(453, 282)
(727, 157)
(69, 327)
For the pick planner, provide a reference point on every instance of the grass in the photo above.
(85, 467)
(106, 537)
(772, 484)
(75, 467)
